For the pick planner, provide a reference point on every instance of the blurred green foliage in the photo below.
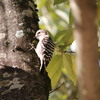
(59, 1)
(56, 17)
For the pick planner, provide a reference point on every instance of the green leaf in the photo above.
(59, 1)
(68, 68)
(54, 69)
(64, 37)
(73, 57)
(50, 35)
(42, 4)
(71, 19)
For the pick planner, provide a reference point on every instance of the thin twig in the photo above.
(56, 88)
(69, 52)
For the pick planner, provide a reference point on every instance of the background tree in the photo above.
(87, 54)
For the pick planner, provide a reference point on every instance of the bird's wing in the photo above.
(49, 48)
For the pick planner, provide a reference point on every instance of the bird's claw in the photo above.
(32, 46)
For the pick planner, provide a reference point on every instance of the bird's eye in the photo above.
(38, 32)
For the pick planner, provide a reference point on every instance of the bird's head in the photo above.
(41, 34)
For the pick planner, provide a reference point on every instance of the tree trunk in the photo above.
(19, 66)
(88, 71)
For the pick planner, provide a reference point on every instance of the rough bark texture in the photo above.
(85, 13)
(19, 75)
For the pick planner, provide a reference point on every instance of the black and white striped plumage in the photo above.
(44, 48)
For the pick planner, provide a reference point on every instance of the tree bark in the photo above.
(88, 71)
(19, 75)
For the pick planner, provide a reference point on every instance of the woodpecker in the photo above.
(44, 48)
